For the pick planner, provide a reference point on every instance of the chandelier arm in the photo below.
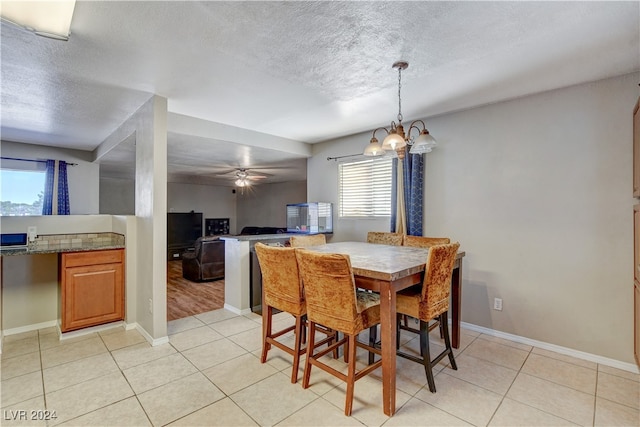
(383, 128)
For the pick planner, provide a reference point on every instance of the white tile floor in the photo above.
(210, 375)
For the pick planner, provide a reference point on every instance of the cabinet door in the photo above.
(636, 319)
(636, 242)
(636, 150)
(92, 295)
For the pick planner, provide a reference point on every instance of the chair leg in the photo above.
(304, 329)
(310, 346)
(267, 315)
(373, 336)
(445, 330)
(399, 316)
(296, 348)
(426, 358)
(351, 375)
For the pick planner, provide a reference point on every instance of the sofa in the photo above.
(206, 262)
(252, 231)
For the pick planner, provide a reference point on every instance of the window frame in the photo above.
(371, 180)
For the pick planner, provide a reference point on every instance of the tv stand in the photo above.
(174, 253)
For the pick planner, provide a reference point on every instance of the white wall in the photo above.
(117, 196)
(212, 201)
(538, 191)
(83, 179)
(265, 205)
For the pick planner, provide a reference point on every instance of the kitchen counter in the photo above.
(60, 243)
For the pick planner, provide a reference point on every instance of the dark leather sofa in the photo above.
(206, 262)
(248, 231)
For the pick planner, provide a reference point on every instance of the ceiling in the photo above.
(300, 71)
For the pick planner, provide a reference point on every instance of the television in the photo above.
(183, 229)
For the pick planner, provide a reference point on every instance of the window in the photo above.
(365, 188)
(21, 192)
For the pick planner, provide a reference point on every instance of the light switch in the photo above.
(32, 232)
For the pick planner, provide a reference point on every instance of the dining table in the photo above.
(386, 270)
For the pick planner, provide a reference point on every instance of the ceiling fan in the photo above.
(243, 176)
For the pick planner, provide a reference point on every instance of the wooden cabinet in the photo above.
(92, 288)
(636, 283)
(636, 149)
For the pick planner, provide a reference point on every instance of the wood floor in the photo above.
(186, 298)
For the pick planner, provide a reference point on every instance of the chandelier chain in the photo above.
(399, 98)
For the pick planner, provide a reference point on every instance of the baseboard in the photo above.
(153, 341)
(89, 330)
(236, 310)
(29, 328)
(629, 367)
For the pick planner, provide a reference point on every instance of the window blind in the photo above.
(365, 187)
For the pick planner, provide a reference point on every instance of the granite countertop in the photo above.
(252, 237)
(58, 243)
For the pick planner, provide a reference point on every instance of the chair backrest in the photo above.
(329, 289)
(384, 238)
(211, 249)
(305, 241)
(436, 286)
(424, 242)
(281, 283)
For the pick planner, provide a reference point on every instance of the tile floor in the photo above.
(210, 375)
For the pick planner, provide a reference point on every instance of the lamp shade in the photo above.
(373, 148)
(424, 143)
(393, 141)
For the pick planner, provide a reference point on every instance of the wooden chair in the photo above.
(384, 238)
(308, 240)
(424, 242)
(333, 301)
(430, 302)
(282, 289)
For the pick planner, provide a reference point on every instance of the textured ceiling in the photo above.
(306, 71)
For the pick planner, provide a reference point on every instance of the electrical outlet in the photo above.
(32, 233)
(150, 306)
(497, 304)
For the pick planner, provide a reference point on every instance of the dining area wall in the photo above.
(537, 190)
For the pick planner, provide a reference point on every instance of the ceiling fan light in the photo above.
(242, 182)
(373, 148)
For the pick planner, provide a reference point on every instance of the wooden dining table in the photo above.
(388, 269)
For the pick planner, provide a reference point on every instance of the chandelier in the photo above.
(396, 139)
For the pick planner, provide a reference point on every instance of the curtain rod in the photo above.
(342, 157)
(32, 160)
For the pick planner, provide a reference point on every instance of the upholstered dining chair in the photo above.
(333, 301)
(307, 240)
(282, 290)
(384, 238)
(423, 241)
(429, 302)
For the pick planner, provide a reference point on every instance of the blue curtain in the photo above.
(63, 189)
(47, 202)
(413, 192)
(62, 197)
(413, 175)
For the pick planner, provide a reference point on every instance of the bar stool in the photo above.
(305, 241)
(333, 301)
(384, 238)
(282, 289)
(430, 302)
(424, 242)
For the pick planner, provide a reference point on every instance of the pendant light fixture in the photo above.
(396, 138)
